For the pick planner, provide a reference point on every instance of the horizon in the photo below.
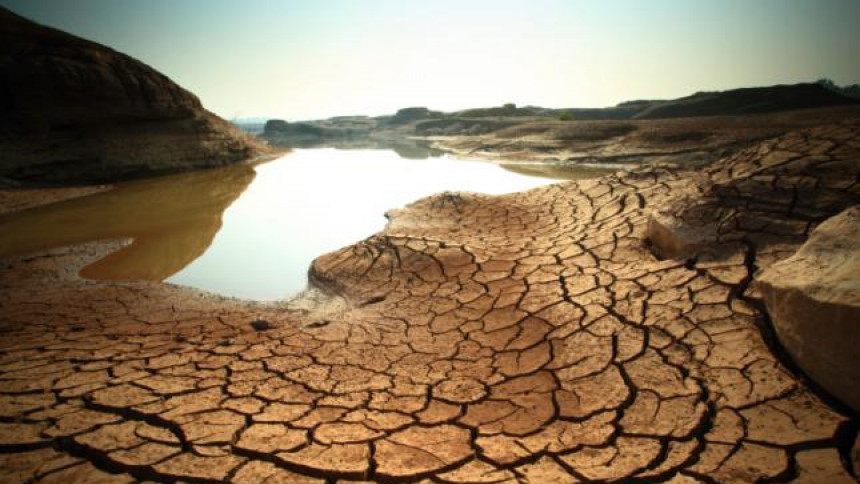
(255, 119)
(314, 61)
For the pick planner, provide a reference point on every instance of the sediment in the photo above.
(530, 337)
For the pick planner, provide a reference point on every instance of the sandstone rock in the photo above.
(75, 110)
(674, 238)
(686, 224)
(813, 298)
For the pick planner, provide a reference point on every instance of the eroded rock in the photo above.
(813, 298)
(75, 110)
(673, 237)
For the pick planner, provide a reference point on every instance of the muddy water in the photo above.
(252, 232)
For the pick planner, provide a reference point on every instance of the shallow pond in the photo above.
(252, 232)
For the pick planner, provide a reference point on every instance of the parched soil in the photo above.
(531, 337)
(689, 142)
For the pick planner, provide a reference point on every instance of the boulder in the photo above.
(686, 224)
(674, 238)
(813, 298)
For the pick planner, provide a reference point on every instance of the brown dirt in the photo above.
(530, 337)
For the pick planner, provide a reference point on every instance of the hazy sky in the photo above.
(304, 59)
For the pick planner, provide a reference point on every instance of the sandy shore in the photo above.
(529, 337)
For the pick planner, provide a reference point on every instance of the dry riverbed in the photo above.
(529, 337)
(694, 141)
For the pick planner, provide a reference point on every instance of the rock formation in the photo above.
(74, 110)
(813, 298)
(530, 337)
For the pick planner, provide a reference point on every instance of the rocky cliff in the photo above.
(75, 110)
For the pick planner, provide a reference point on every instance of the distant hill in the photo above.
(421, 121)
(749, 100)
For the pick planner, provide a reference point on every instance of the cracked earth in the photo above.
(531, 337)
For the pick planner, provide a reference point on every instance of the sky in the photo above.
(310, 59)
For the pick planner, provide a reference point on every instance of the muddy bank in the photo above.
(527, 337)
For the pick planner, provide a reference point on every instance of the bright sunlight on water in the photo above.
(276, 222)
(315, 201)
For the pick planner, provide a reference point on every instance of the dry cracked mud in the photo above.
(531, 337)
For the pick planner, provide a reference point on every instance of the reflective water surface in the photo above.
(252, 232)
(172, 220)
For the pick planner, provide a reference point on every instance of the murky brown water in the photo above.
(247, 231)
(172, 220)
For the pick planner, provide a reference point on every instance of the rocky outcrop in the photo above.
(75, 110)
(813, 299)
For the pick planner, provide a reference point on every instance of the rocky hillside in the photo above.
(75, 110)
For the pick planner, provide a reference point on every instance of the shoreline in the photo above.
(689, 141)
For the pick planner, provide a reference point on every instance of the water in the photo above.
(252, 232)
